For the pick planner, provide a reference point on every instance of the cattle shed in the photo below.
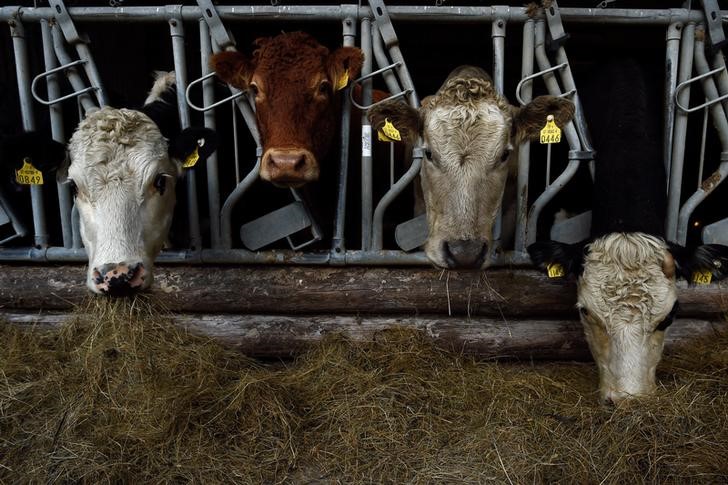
(242, 250)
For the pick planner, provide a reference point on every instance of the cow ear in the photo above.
(41, 151)
(233, 68)
(530, 119)
(344, 65)
(398, 116)
(703, 264)
(193, 145)
(558, 260)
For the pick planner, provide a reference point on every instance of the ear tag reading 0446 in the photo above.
(192, 158)
(342, 81)
(550, 133)
(388, 132)
(702, 277)
(555, 270)
(28, 174)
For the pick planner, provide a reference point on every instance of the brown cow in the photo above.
(294, 80)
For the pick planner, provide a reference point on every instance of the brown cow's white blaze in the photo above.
(624, 294)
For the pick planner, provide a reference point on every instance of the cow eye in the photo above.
(324, 87)
(160, 183)
(253, 88)
(506, 155)
(583, 312)
(428, 154)
(74, 188)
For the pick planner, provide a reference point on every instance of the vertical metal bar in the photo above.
(92, 72)
(208, 97)
(672, 51)
(76, 222)
(524, 150)
(498, 35)
(721, 77)
(17, 31)
(390, 79)
(72, 74)
(703, 137)
(176, 30)
(65, 200)
(685, 68)
(367, 203)
(339, 241)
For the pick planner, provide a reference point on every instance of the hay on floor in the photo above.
(121, 394)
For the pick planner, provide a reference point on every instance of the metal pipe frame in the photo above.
(367, 203)
(524, 150)
(498, 36)
(77, 82)
(672, 53)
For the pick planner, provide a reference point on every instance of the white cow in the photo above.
(124, 171)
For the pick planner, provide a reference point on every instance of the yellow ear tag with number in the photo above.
(192, 158)
(342, 81)
(555, 270)
(702, 277)
(550, 133)
(28, 174)
(388, 132)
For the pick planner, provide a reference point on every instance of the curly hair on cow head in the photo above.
(468, 91)
(287, 44)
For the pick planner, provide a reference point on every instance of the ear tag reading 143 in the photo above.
(388, 132)
(702, 277)
(555, 270)
(342, 81)
(28, 174)
(550, 133)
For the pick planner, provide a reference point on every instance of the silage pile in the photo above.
(122, 395)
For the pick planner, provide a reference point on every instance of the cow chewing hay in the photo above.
(120, 394)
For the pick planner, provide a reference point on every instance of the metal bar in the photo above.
(524, 150)
(76, 224)
(498, 36)
(685, 67)
(204, 79)
(672, 51)
(176, 31)
(208, 96)
(722, 77)
(699, 196)
(297, 13)
(226, 235)
(17, 31)
(367, 202)
(339, 243)
(77, 82)
(65, 201)
(386, 68)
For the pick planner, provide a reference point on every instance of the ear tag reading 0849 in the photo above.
(192, 158)
(342, 81)
(388, 132)
(28, 174)
(555, 270)
(702, 277)
(550, 133)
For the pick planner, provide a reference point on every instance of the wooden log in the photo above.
(285, 336)
(321, 290)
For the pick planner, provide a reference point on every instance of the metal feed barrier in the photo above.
(377, 37)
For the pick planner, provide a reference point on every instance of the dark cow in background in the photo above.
(124, 164)
(294, 80)
(469, 133)
(626, 272)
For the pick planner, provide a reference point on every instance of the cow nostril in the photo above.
(300, 163)
(465, 253)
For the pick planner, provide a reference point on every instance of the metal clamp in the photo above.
(45, 74)
(556, 28)
(715, 25)
(685, 84)
(65, 21)
(232, 97)
(217, 29)
(535, 75)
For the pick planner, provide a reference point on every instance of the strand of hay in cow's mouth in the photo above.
(121, 394)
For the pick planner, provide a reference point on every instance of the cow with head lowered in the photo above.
(626, 272)
(294, 80)
(469, 132)
(124, 164)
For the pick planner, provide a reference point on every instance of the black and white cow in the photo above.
(626, 273)
(124, 164)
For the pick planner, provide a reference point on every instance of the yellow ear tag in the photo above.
(550, 133)
(28, 174)
(191, 159)
(342, 81)
(388, 132)
(702, 277)
(555, 270)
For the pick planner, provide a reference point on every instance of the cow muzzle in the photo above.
(464, 253)
(289, 167)
(119, 279)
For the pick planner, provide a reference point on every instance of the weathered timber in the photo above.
(286, 336)
(351, 290)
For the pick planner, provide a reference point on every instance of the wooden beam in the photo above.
(322, 290)
(285, 336)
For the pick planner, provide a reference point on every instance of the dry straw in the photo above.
(120, 394)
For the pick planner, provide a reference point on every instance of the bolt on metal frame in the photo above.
(378, 42)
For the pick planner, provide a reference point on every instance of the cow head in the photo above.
(469, 133)
(124, 173)
(294, 80)
(627, 298)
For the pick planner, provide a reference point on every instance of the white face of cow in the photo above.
(626, 291)
(125, 196)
